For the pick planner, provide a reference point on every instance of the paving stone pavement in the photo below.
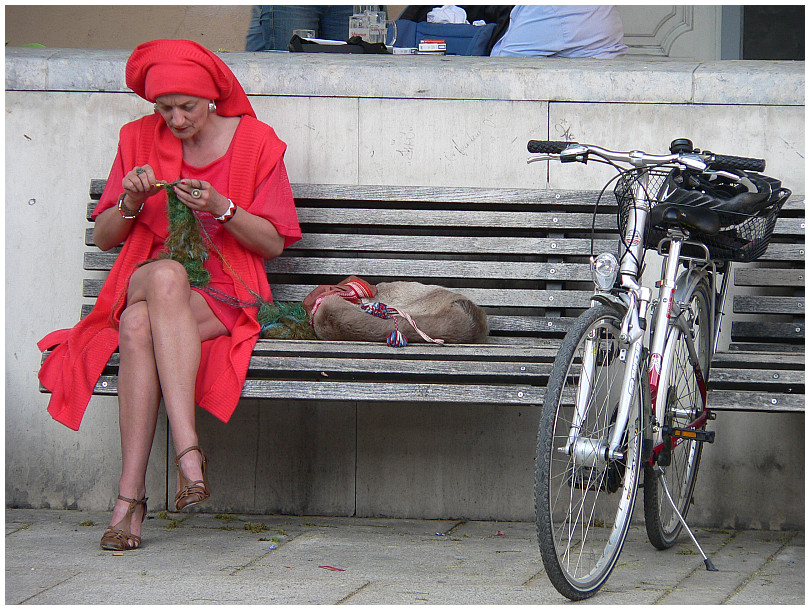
(53, 557)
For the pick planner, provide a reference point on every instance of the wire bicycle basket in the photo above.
(742, 238)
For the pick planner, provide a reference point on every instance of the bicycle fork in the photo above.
(592, 452)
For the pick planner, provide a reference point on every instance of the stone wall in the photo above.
(372, 120)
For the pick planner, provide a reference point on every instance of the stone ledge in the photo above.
(635, 80)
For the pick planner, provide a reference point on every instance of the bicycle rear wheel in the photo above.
(683, 405)
(584, 502)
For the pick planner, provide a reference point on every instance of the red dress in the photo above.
(273, 202)
(252, 175)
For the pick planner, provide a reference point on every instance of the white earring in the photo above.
(212, 106)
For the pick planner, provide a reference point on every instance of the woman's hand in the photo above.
(139, 184)
(200, 196)
(253, 232)
(114, 224)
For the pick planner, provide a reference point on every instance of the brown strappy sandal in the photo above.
(191, 492)
(119, 536)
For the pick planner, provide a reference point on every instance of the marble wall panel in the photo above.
(476, 143)
(775, 133)
(446, 461)
(321, 135)
(290, 458)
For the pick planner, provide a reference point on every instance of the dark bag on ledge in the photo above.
(355, 45)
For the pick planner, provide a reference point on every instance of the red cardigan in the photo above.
(80, 353)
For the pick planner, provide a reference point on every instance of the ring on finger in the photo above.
(140, 170)
(196, 193)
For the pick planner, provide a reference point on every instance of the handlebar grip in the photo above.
(730, 162)
(545, 146)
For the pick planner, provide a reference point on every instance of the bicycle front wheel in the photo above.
(583, 500)
(684, 403)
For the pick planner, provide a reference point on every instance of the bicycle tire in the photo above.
(583, 513)
(683, 406)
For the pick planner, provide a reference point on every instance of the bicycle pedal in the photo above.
(701, 436)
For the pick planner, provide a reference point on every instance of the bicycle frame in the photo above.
(668, 320)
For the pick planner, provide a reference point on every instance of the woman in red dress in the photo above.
(187, 345)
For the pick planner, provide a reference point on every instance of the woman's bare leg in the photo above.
(138, 402)
(180, 320)
(161, 332)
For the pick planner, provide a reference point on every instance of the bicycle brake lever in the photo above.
(574, 153)
(693, 162)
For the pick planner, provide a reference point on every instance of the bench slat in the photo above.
(410, 268)
(438, 195)
(505, 395)
(328, 366)
(719, 400)
(461, 245)
(766, 276)
(454, 218)
(760, 378)
(767, 331)
(450, 245)
(400, 268)
(760, 359)
(744, 303)
(730, 400)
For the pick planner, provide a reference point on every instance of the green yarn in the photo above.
(184, 242)
(285, 321)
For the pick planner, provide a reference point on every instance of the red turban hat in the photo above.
(184, 67)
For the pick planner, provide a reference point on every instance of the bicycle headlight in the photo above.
(604, 269)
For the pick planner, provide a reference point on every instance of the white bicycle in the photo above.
(616, 407)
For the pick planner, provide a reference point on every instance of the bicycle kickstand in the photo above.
(709, 565)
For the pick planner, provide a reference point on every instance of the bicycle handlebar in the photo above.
(729, 162)
(543, 146)
(711, 160)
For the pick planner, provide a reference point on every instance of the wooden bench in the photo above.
(763, 367)
(520, 254)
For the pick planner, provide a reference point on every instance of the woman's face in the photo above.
(185, 115)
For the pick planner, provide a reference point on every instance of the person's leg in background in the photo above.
(271, 27)
(335, 21)
(285, 18)
(258, 30)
